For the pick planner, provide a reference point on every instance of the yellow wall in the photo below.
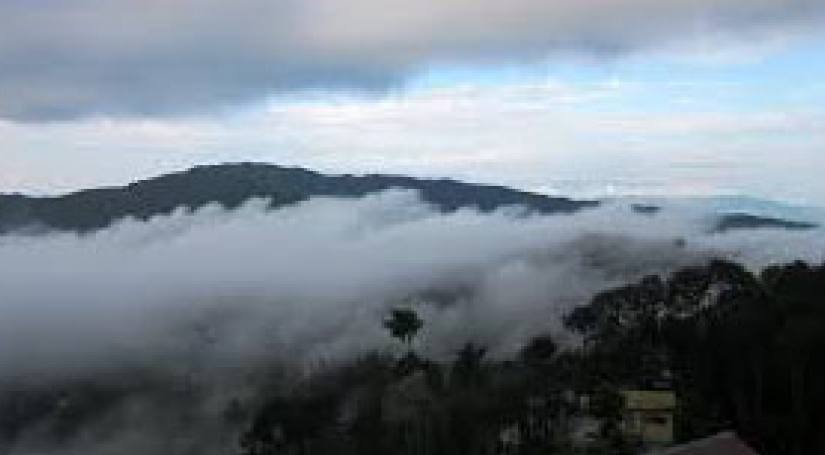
(648, 416)
(649, 399)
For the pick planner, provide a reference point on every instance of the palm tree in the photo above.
(403, 324)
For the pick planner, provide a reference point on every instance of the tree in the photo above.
(539, 351)
(468, 367)
(743, 350)
(403, 324)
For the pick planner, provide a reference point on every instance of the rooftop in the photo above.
(726, 443)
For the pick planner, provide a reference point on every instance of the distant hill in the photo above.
(733, 221)
(233, 184)
(728, 213)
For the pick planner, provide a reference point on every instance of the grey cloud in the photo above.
(62, 60)
(314, 280)
(226, 303)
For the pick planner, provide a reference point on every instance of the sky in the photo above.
(589, 99)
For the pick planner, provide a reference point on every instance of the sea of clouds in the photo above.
(314, 280)
(225, 295)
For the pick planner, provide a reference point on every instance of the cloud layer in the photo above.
(158, 327)
(61, 60)
(313, 281)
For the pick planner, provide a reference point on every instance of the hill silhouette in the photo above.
(230, 185)
(734, 221)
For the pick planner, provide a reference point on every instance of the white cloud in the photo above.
(584, 139)
(314, 280)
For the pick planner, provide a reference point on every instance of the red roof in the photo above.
(726, 443)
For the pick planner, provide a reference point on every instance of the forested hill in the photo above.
(232, 184)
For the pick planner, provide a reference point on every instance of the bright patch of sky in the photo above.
(740, 120)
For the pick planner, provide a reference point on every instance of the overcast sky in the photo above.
(598, 97)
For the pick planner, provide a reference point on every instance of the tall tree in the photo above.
(404, 324)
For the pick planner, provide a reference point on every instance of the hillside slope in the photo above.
(232, 184)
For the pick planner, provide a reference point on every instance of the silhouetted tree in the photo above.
(745, 350)
(403, 324)
(539, 351)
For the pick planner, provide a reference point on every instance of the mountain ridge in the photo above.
(232, 184)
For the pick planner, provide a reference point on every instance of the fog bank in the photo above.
(175, 319)
(313, 281)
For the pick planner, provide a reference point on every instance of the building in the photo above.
(648, 417)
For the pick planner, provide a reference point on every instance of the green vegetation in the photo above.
(741, 351)
(403, 324)
(745, 351)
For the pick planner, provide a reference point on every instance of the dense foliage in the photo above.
(745, 351)
(741, 351)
